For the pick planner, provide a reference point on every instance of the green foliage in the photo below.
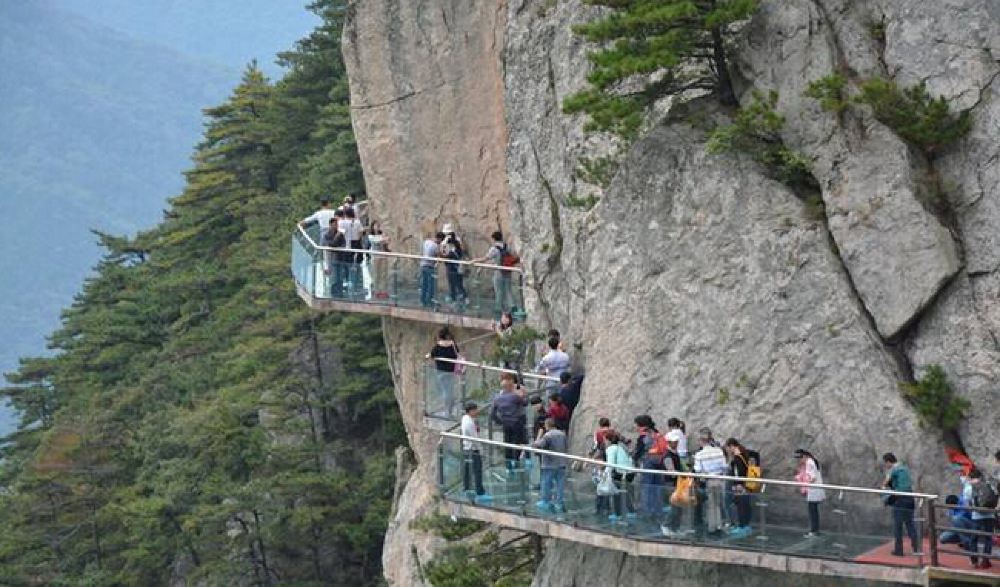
(586, 202)
(756, 131)
(598, 170)
(196, 415)
(877, 31)
(926, 122)
(513, 348)
(446, 527)
(935, 401)
(918, 118)
(829, 91)
(481, 563)
(663, 48)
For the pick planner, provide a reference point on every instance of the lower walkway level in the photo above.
(854, 543)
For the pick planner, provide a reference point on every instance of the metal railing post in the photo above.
(440, 451)
(932, 530)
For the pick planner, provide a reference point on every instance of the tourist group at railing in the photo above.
(357, 264)
(656, 477)
(653, 478)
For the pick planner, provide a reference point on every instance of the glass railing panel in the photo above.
(367, 277)
(853, 526)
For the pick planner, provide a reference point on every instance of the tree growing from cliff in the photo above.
(651, 49)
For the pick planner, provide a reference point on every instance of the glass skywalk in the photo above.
(381, 282)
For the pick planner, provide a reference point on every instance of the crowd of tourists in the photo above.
(719, 506)
(342, 228)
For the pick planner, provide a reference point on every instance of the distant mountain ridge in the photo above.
(95, 128)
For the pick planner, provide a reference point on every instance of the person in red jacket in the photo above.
(559, 412)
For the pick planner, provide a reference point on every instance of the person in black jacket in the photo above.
(739, 466)
(444, 371)
(336, 261)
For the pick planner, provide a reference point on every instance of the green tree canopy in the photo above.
(197, 421)
(651, 49)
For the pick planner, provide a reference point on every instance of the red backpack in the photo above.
(508, 259)
(659, 446)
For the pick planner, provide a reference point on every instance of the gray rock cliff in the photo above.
(696, 286)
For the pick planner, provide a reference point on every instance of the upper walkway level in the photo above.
(426, 289)
(640, 516)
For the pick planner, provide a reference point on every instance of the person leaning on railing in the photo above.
(321, 217)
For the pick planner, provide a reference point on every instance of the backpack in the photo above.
(753, 472)
(508, 258)
(597, 449)
(984, 495)
(658, 447)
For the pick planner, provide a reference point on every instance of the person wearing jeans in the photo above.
(739, 466)
(428, 270)
(508, 412)
(553, 468)
(502, 280)
(898, 479)
(472, 470)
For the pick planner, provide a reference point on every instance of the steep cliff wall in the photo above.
(427, 110)
(696, 286)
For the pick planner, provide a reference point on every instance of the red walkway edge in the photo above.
(955, 562)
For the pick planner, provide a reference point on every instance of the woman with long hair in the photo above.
(444, 371)
(809, 472)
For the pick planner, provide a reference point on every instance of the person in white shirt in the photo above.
(321, 217)
(553, 364)
(354, 232)
(675, 432)
(472, 468)
(711, 460)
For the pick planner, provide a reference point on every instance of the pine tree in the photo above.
(198, 420)
(652, 49)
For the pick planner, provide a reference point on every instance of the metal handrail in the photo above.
(528, 374)
(706, 476)
(391, 254)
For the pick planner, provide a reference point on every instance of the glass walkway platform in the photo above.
(389, 284)
(855, 533)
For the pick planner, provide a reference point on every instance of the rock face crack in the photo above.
(555, 254)
(404, 97)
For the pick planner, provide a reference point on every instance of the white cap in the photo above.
(448, 228)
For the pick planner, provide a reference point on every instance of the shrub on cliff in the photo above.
(756, 130)
(651, 49)
(936, 402)
(924, 121)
